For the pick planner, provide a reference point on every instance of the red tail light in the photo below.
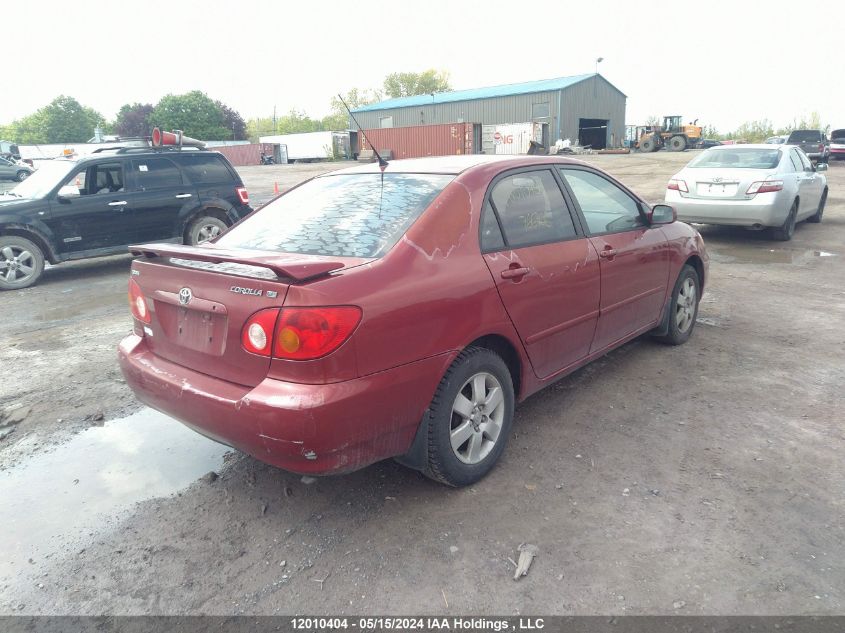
(257, 335)
(678, 185)
(137, 303)
(821, 147)
(243, 194)
(764, 186)
(309, 333)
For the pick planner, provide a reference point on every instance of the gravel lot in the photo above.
(703, 479)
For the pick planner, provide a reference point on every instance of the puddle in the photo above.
(54, 500)
(748, 254)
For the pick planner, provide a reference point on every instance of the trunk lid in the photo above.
(722, 183)
(201, 297)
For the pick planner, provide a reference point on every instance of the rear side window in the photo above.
(355, 215)
(531, 210)
(206, 168)
(156, 173)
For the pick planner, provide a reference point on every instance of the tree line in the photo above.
(65, 120)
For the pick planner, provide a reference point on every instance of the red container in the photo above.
(447, 139)
(240, 155)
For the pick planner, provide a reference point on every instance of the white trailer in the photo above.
(309, 146)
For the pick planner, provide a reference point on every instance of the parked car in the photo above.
(758, 186)
(11, 170)
(837, 144)
(402, 313)
(813, 142)
(707, 143)
(775, 140)
(97, 205)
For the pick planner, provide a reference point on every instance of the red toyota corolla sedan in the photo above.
(370, 313)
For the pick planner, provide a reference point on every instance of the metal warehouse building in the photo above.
(583, 108)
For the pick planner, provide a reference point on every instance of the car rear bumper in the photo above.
(762, 210)
(304, 428)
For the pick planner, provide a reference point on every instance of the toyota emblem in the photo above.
(185, 296)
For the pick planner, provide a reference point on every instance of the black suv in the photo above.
(100, 204)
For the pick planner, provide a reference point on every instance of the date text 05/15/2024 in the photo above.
(417, 624)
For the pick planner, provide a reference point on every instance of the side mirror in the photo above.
(68, 191)
(661, 214)
(821, 167)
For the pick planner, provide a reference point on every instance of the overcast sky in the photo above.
(721, 62)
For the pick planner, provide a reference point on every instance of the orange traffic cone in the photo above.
(276, 188)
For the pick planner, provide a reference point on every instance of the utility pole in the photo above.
(274, 120)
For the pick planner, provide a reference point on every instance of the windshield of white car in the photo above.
(738, 158)
(45, 178)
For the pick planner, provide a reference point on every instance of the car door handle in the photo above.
(513, 273)
(608, 253)
(183, 195)
(118, 203)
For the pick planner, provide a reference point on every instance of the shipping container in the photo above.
(241, 155)
(446, 139)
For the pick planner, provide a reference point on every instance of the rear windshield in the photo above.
(838, 135)
(354, 215)
(741, 158)
(805, 136)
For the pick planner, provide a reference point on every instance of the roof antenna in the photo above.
(381, 162)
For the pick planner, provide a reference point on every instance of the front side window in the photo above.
(531, 209)
(606, 207)
(155, 173)
(808, 166)
(102, 178)
(351, 215)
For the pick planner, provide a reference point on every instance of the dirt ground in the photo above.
(702, 479)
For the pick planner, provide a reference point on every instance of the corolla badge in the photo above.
(185, 296)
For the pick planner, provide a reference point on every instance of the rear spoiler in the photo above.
(296, 267)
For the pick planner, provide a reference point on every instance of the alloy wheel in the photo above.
(207, 232)
(16, 263)
(685, 305)
(477, 416)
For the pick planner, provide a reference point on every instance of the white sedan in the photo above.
(757, 186)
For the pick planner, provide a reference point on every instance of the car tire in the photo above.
(21, 262)
(683, 308)
(22, 175)
(817, 216)
(205, 228)
(470, 418)
(785, 232)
